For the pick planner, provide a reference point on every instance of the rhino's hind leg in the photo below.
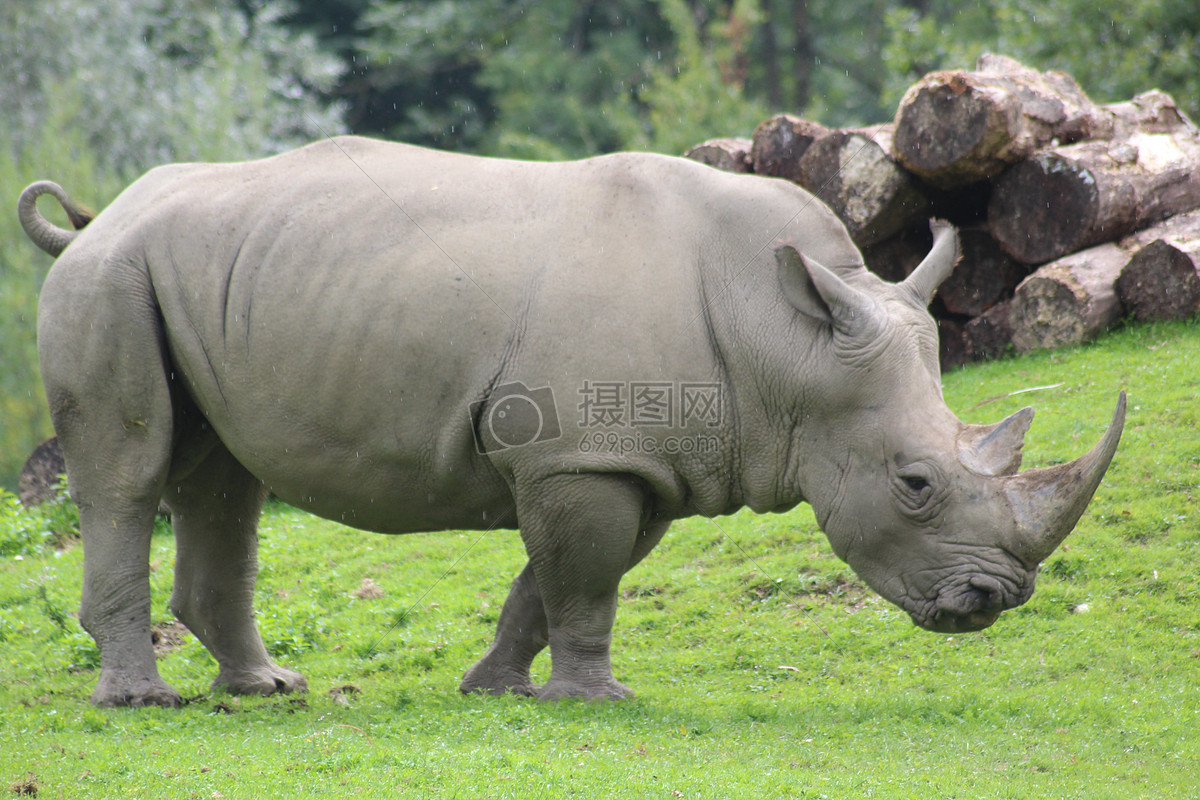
(99, 342)
(116, 603)
(521, 634)
(215, 511)
(582, 533)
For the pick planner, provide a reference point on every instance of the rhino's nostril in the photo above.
(988, 592)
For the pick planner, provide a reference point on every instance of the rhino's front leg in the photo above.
(521, 634)
(581, 533)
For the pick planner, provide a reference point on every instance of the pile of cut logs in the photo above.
(1072, 215)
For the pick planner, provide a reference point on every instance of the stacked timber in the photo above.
(1073, 215)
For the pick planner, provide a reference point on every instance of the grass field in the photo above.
(763, 667)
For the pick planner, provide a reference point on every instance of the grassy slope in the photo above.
(762, 665)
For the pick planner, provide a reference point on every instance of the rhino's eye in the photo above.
(915, 486)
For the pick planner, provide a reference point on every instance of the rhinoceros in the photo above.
(405, 340)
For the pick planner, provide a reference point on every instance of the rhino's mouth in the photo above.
(943, 622)
(970, 606)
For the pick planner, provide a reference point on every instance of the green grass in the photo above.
(763, 667)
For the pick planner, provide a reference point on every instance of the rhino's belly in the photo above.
(387, 494)
(406, 512)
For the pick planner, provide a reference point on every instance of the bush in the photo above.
(30, 531)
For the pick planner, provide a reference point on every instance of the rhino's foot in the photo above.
(563, 690)
(265, 680)
(119, 688)
(483, 678)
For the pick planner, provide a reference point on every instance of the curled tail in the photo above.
(45, 234)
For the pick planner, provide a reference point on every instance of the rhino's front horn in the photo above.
(1048, 502)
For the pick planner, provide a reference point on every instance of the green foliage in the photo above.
(755, 652)
(24, 420)
(31, 531)
(21, 533)
(558, 79)
(1114, 54)
(699, 96)
(555, 80)
(146, 82)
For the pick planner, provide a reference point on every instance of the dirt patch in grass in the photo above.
(25, 788)
(168, 637)
(368, 590)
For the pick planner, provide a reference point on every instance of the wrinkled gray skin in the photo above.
(331, 324)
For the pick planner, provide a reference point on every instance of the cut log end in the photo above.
(729, 155)
(952, 344)
(1049, 315)
(941, 132)
(1161, 282)
(779, 143)
(989, 335)
(1048, 205)
(985, 275)
(40, 477)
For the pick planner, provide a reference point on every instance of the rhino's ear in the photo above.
(797, 286)
(817, 292)
(936, 266)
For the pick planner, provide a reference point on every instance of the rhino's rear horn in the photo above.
(936, 266)
(1048, 502)
(995, 449)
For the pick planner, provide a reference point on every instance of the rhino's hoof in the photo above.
(483, 681)
(116, 689)
(563, 690)
(261, 681)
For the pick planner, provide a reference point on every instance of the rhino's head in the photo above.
(930, 512)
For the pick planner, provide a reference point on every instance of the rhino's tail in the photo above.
(44, 233)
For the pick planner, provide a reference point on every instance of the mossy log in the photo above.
(853, 172)
(990, 334)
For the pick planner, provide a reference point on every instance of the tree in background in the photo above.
(542, 79)
(1114, 51)
(146, 82)
(557, 78)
